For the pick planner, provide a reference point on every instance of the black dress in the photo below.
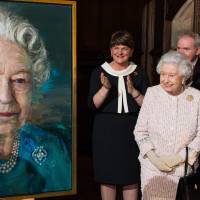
(115, 152)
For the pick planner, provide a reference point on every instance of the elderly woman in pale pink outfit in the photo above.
(169, 120)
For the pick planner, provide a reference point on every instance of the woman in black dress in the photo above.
(116, 94)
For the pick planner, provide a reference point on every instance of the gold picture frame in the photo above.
(54, 104)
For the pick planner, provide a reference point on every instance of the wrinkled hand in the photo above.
(172, 160)
(158, 162)
(104, 81)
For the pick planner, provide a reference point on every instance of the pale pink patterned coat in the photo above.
(167, 124)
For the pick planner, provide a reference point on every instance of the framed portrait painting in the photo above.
(37, 98)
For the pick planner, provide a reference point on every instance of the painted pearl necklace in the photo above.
(8, 165)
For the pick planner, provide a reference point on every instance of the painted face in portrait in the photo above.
(121, 54)
(185, 45)
(170, 79)
(15, 84)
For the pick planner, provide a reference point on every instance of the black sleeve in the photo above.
(144, 82)
(94, 86)
(140, 80)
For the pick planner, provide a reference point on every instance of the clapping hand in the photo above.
(131, 89)
(130, 85)
(104, 81)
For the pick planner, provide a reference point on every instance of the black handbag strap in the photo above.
(186, 162)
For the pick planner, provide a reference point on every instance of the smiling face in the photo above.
(121, 54)
(170, 79)
(15, 84)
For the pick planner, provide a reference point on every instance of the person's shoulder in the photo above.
(198, 62)
(100, 67)
(152, 92)
(157, 91)
(193, 91)
(31, 129)
(38, 134)
(141, 73)
(139, 69)
(153, 89)
(97, 70)
(192, 95)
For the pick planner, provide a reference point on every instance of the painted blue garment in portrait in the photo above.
(39, 164)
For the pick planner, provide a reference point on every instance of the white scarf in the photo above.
(121, 85)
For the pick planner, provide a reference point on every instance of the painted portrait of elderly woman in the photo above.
(35, 105)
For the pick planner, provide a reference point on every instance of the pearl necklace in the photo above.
(10, 164)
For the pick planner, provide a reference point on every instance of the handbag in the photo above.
(188, 185)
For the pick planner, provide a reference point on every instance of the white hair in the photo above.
(18, 30)
(177, 59)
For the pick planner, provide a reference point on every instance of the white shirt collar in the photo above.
(124, 72)
(122, 98)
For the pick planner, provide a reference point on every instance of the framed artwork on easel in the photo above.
(37, 98)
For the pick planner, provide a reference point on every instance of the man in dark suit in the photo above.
(189, 45)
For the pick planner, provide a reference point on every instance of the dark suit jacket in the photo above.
(196, 84)
(196, 75)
